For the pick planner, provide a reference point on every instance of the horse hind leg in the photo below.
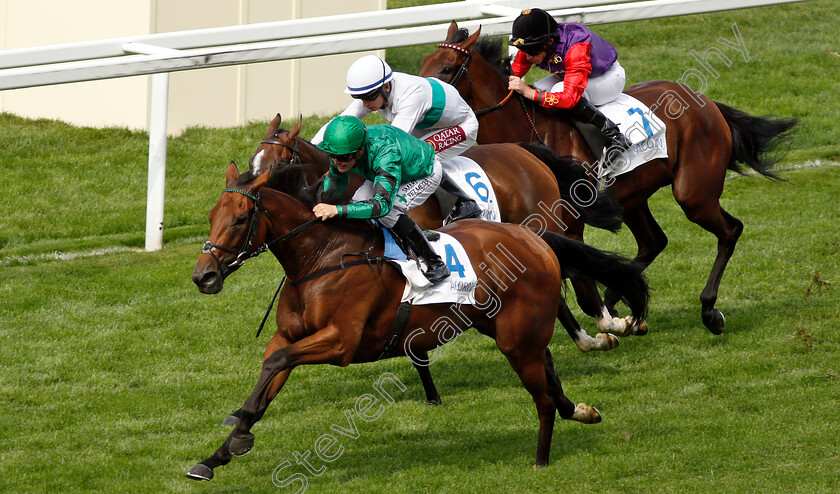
(727, 228)
(432, 396)
(584, 342)
(565, 408)
(651, 241)
(532, 375)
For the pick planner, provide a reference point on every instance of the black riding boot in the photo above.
(586, 112)
(464, 206)
(412, 236)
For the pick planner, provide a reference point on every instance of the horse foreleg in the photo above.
(325, 346)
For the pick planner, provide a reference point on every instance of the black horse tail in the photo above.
(756, 140)
(608, 269)
(603, 212)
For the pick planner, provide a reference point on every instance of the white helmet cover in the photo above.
(367, 74)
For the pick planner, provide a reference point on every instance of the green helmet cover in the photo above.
(344, 134)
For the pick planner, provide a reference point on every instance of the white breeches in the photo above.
(599, 91)
(409, 195)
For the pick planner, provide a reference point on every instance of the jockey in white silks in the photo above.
(426, 108)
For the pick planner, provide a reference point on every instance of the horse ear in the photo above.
(232, 172)
(274, 125)
(453, 28)
(472, 40)
(296, 129)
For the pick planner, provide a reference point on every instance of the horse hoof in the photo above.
(434, 402)
(230, 420)
(586, 414)
(606, 341)
(714, 321)
(200, 472)
(641, 329)
(241, 447)
(622, 326)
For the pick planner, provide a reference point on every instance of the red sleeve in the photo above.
(520, 64)
(578, 66)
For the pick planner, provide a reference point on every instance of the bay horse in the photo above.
(527, 180)
(704, 139)
(339, 311)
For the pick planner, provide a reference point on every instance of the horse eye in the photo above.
(447, 70)
(240, 221)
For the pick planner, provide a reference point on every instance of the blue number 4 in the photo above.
(452, 262)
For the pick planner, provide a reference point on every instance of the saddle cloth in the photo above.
(472, 179)
(640, 125)
(459, 287)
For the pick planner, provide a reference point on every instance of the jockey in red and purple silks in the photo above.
(584, 70)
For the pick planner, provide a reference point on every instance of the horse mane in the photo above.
(289, 179)
(492, 49)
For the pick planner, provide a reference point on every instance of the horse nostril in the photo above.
(206, 281)
(209, 278)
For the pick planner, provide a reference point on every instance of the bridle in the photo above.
(294, 149)
(463, 69)
(244, 253)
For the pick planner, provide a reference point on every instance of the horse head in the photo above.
(233, 230)
(278, 146)
(450, 61)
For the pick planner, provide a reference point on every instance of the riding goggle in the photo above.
(368, 96)
(342, 158)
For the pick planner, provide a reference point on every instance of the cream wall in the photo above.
(223, 96)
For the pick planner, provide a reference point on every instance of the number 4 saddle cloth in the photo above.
(458, 288)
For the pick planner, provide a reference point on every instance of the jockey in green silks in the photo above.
(400, 173)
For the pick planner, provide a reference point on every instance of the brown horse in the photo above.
(704, 138)
(343, 297)
(527, 180)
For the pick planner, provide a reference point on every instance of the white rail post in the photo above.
(158, 116)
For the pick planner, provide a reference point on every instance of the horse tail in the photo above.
(614, 271)
(755, 140)
(604, 212)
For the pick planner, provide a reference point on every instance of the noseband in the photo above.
(244, 251)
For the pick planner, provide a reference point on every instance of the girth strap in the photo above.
(397, 329)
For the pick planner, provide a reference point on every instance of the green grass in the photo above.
(116, 372)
